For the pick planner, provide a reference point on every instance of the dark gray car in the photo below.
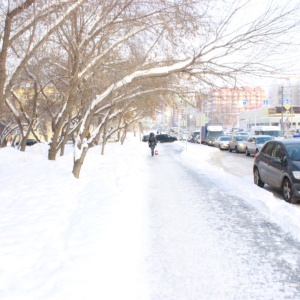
(278, 165)
(165, 138)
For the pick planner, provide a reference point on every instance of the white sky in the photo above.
(64, 238)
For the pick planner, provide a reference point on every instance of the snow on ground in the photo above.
(284, 214)
(53, 226)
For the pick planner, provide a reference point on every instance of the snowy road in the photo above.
(206, 244)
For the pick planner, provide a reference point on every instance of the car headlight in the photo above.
(296, 174)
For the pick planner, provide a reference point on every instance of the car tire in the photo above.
(287, 191)
(236, 149)
(229, 149)
(257, 179)
(247, 152)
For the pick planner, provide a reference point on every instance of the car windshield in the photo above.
(263, 140)
(215, 134)
(293, 151)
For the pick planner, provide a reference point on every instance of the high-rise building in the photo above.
(224, 104)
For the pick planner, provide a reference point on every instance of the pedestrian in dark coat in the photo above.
(152, 142)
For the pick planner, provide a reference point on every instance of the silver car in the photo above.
(255, 143)
(237, 143)
(222, 142)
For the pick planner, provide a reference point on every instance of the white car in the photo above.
(222, 142)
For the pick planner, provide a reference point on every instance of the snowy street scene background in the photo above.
(174, 226)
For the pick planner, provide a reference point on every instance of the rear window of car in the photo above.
(263, 140)
(241, 138)
(267, 149)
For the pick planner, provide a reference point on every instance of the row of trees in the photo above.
(93, 67)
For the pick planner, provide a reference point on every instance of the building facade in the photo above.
(284, 91)
(225, 104)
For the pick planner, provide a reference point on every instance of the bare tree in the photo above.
(26, 25)
(216, 50)
(112, 49)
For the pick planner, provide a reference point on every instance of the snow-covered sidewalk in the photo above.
(62, 238)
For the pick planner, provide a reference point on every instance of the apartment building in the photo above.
(225, 104)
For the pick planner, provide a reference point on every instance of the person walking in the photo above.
(152, 142)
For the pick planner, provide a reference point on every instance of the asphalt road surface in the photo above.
(206, 244)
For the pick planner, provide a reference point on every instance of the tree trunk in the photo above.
(52, 151)
(103, 139)
(103, 146)
(79, 162)
(65, 137)
(124, 135)
(62, 149)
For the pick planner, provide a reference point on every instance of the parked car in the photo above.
(145, 138)
(222, 142)
(165, 138)
(29, 142)
(194, 137)
(237, 143)
(197, 139)
(278, 165)
(255, 142)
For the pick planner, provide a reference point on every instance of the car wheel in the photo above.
(236, 149)
(287, 191)
(247, 152)
(257, 179)
(230, 150)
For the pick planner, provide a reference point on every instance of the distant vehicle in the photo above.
(198, 139)
(242, 133)
(29, 142)
(165, 138)
(210, 132)
(237, 143)
(296, 133)
(184, 135)
(222, 142)
(278, 165)
(193, 135)
(145, 138)
(255, 142)
(274, 131)
(196, 132)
